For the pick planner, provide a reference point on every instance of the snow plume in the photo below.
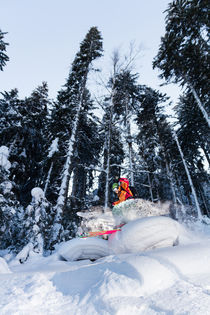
(122, 213)
(96, 220)
(4, 155)
(133, 209)
(139, 208)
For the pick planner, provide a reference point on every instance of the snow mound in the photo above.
(140, 235)
(3, 266)
(84, 248)
(145, 234)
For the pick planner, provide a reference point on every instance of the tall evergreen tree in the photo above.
(155, 141)
(10, 117)
(34, 236)
(112, 154)
(3, 56)
(127, 98)
(33, 138)
(193, 139)
(8, 202)
(86, 154)
(24, 132)
(183, 53)
(72, 100)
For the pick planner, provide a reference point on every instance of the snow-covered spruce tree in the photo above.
(32, 143)
(154, 140)
(11, 136)
(112, 155)
(86, 155)
(126, 99)
(84, 160)
(183, 58)
(9, 206)
(36, 227)
(3, 56)
(193, 125)
(9, 118)
(193, 138)
(183, 53)
(24, 132)
(199, 215)
(71, 101)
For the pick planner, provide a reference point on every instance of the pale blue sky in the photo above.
(44, 36)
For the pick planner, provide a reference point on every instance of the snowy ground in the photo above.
(141, 273)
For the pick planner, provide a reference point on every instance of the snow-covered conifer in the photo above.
(36, 226)
(183, 53)
(8, 203)
(70, 106)
(3, 56)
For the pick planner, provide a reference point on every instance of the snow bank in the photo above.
(136, 236)
(186, 260)
(121, 284)
(145, 234)
(84, 248)
(3, 266)
(172, 280)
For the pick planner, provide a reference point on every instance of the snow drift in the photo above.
(4, 268)
(136, 236)
(141, 279)
(124, 284)
(84, 248)
(145, 234)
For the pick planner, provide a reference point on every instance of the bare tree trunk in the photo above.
(64, 184)
(189, 177)
(109, 152)
(169, 173)
(129, 141)
(48, 178)
(150, 187)
(170, 176)
(200, 105)
(107, 171)
(61, 201)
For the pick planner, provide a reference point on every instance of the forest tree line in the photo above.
(73, 154)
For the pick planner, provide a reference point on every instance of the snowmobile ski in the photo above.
(99, 233)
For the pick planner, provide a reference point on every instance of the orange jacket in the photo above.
(124, 191)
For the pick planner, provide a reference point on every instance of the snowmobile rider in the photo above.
(122, 190)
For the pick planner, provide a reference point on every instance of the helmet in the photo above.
(125, 180)
(114, 186)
